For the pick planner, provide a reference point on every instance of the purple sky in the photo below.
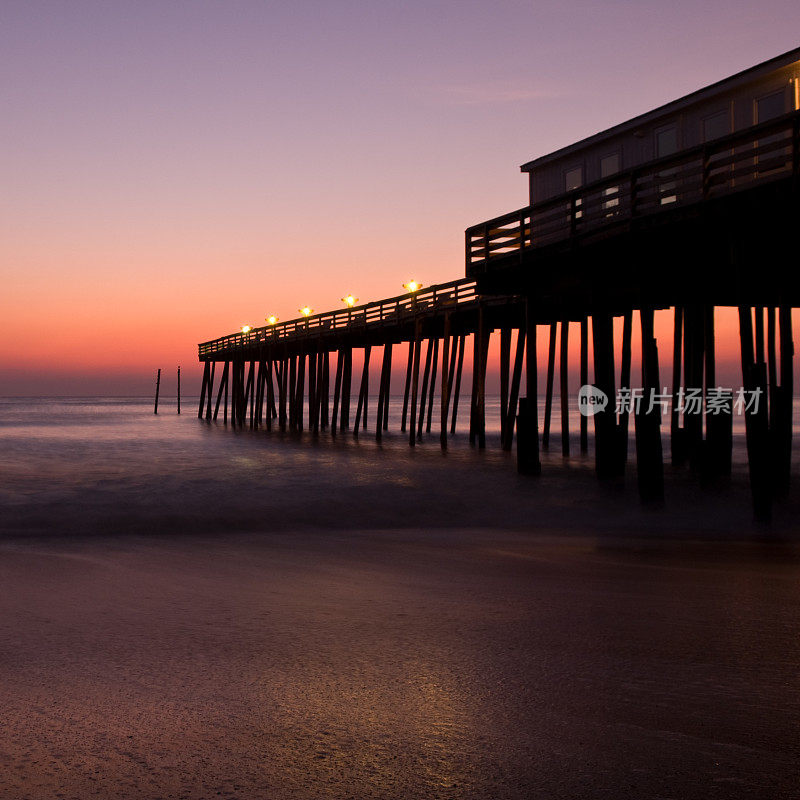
(173, 170)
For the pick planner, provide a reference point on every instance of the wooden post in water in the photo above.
(417, 344)
(756, 420)
(511, 413)
(347, 382)
(203, 388)
(625, 382)
(179, 391)
(326, 389)
(424, 394)
(548, 397)
(223, 383)
(584, 419)
(605, 426)
(446, 382)
(649, 461)
(505, 368)
(337, 390)
(388, 347)
(462, 342)
(528, 461)
(676, 433)
(362, 393)
(158, 386)
(483, 336)
(564, 387)
(785, 413)
(434, 364)
(407, 389)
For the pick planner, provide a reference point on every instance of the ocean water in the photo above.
(109, 465)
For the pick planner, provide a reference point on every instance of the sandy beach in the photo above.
(398, 664)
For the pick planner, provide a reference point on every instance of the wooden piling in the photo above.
(564, 387)
(337, 389)
(649, 460)
(584, 419)
(446, 383)
(362, 393)
(548, 398)
(624, 382)
(605, 427)
(462, 343)
(407, 388)
(676, 433)
(505, 368)
(511, 413)
(223, 383)
(179, 390)
(417, 344)
(528, 462)
(203, 389)
(424, 394)
(434, 364)
(158, 386)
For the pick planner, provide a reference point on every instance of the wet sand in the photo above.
(425, 663)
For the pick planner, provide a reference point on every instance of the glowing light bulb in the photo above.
(306, 311)
(349, 300)
(412, 286)
(271, 319)
(247, 328)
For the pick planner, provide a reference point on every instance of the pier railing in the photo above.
(395, 310)
(732, 163)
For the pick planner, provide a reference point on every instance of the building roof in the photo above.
(731, 82)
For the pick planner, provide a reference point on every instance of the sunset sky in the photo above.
(172, 170)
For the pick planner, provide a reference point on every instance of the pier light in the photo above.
(306, 311)
(271, 319)
(247, 328)
(412, 286)
(349, 300)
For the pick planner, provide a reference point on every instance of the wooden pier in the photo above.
(708, 227)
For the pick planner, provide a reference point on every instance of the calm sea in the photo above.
(97, 465)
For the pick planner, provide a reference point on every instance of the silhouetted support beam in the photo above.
(424, 394)
(388, 349)
(179, 390)
(337, 390)
(270, 392)
(210, 388)
(693, 354)
(417, 344)
(249, 393)
(505, 369)
(447, 380)
(605, 427)
(483, 335)
(462, 341)
(225, 401)
(434, 364)
(625, 381)
(326, 390)
(649, 460)
(223, 383)
(407, 389)
(719, 419)
(676, 433)
(759, 330)
(564, 387)
(756, 420)
(347, 383)
(511, 413)
(782, 403)
(292, 392)
(203, 389)
(259, 394)
(548, 398)
(363, 393)
(382, 421)
(282, 391)
(584, 420)
(301, 390)
(528, 419)
(473, 403)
